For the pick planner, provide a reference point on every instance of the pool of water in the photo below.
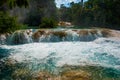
(101, 56)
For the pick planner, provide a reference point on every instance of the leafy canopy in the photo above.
(13, 3)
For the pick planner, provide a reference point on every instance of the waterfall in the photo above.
(4, 38)
(21, 37)
(53, 35)
(57, 52)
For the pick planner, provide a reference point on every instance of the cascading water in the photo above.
(89, 53)
(29, 36)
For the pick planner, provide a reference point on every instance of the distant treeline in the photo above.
(45, 14)
(36, 12)
(95, 13)
(17, 14)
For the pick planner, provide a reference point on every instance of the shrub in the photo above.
(8, 23)
(48, 23)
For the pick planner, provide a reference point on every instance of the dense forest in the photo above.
(17, 14)
(93, 13)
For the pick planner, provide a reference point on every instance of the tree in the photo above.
(9, 4)
(48, 23)
(95, 13)
(7, 22)
(39, 9)
(105, 12)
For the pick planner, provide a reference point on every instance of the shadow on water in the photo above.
(107, 58)
(112, 73)
(4, 52)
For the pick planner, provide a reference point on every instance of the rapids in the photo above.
(40, 50)
(56, 35)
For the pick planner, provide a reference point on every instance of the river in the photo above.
(88, 54)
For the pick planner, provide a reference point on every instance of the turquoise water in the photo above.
(102, 52)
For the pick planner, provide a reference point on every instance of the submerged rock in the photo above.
(75, 75)
(11, 70)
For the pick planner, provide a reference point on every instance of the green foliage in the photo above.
(40, 9)
(13, 3)
(105, 11)
(95, 13)
(33, 19)
(48, 23)
(8, 23)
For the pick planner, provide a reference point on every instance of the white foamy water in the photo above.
(101, 52)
